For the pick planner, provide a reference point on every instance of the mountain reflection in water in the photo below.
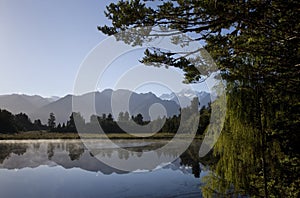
(52, 157)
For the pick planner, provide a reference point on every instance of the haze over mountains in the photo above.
(17, 103)
(37, 107)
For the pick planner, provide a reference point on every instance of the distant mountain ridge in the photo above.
(185, 96)
(38, 107)
(17, 103)
(138, 103)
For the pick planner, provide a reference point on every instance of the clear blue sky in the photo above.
(43, 42)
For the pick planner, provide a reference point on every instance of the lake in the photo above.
(66, 168)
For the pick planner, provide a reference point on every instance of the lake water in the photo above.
(66, 168)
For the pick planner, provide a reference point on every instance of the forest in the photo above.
(10, 123)
(255, 45)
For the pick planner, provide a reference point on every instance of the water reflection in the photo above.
(72, 153)
(8, 149)
(55, 168)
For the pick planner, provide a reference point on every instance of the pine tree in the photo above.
(51, 122)
(255, 45)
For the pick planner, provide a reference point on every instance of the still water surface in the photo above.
(65, 168)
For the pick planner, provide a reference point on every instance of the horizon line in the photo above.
(52, 96)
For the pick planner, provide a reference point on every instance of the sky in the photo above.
(44, 42)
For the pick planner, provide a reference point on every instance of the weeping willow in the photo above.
(253, 153)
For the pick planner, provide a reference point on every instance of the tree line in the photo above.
(10, 123)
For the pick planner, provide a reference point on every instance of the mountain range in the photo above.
(185, 96)
(17, 103)
(37, 107)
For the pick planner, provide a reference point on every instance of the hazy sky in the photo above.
(43, 43)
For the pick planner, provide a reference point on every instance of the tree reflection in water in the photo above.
(7, 149)
(70, 154)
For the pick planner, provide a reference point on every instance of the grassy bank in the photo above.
(54, 135)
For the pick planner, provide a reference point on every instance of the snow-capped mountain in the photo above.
(185, 96)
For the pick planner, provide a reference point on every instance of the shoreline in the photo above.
(42, 135)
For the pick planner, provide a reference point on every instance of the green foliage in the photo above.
(161, 125)
(255, 45)
(23, 123)
(138, 119)
(7, 123)
(10, 123)
(51, 122)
